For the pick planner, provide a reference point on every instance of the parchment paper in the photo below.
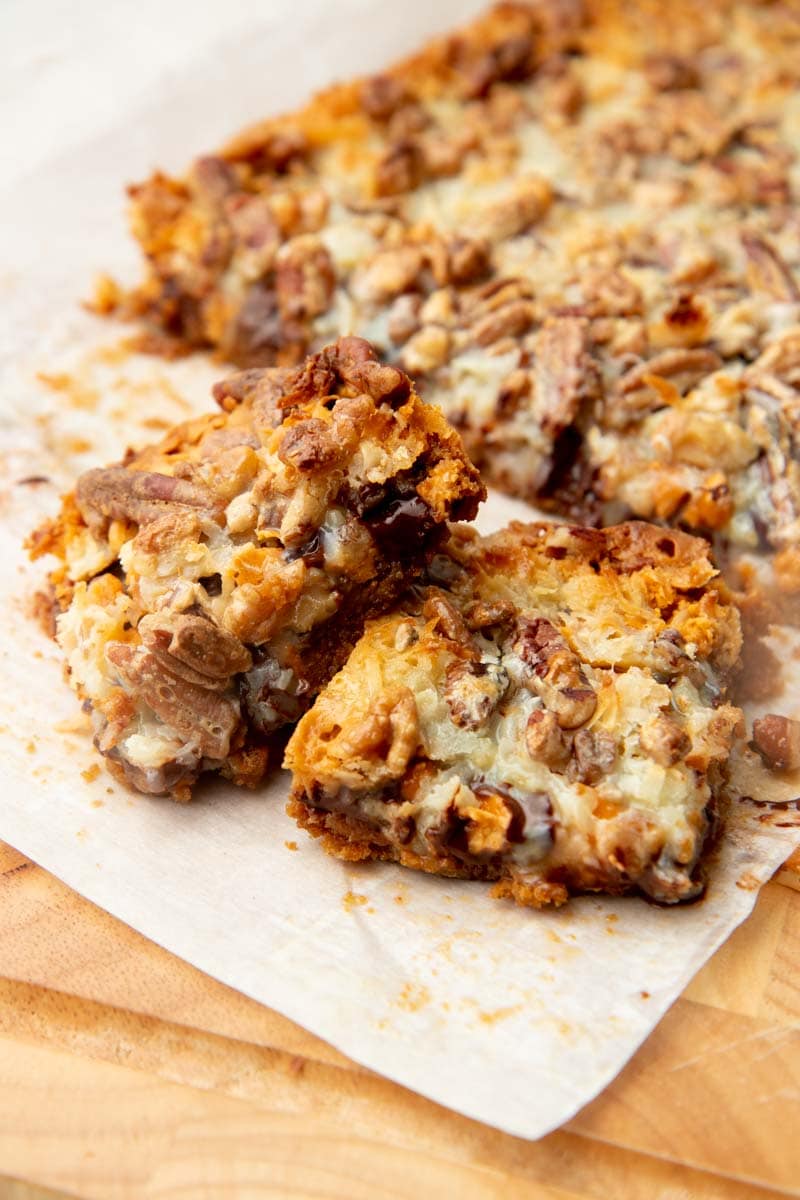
(513, 1017)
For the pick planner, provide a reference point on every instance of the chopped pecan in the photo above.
(611, 294)
(527, 203)
(683, 368)
(426, 350)
(767, 272)
(382, 383)
(388, 274)
(196, 642)
(472, 691)
(777, 739)
(197, 713)
(545, 741)
(400, 169)
(483, 613)
(309, 445)
(121, 494)
(468, 260)
(509, 60)
(566, 375)
(594, 754)
(304, 278)
(782, 358)
(389, 734)
(213, 177)
(447, 620)
(509, 321)
(670, 72)
(664, 740)
(554, 672)
(255, 229)
(404, 318)
(382, 95)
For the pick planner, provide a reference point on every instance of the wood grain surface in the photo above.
(126, 1073)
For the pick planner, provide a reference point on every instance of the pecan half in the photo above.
(777, 739)
(196, 713)
(509, 321)
(304, 279)
(196, 642)
(767, 272)
(118, 493)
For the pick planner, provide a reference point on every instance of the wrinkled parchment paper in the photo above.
(514, 1017)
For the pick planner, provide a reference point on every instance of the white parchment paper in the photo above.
(513, 1017)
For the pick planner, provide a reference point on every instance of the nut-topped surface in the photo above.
(211, 583)
(578, 222)
(550, 713)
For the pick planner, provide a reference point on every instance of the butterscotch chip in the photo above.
(212, 583)
(442, 744)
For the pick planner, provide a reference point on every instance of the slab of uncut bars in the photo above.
(577, 222)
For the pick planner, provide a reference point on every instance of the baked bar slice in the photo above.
(577, 222)
(212, 583)
(549, 714)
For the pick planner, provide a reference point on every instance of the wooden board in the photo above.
(124, 1072)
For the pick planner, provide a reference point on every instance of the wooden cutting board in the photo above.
(125, 1073)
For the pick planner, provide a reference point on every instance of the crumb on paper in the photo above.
(645, 995)
(78, 395)
(499, 1014)
(91, 773)
(157, 423)
(106, 295)
(398, 899)
(31, 747)
(81, 835)
(79, 724)
(41, 610)
(748, 882)
(290, 845)
(413, 997)
(98, 803)
(352, 900)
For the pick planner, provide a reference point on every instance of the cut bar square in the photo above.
(549, 714)
(212, 583)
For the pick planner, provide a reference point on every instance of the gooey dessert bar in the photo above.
(212, 583)
(548, 713)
